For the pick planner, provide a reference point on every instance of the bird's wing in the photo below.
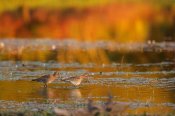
(42, 78)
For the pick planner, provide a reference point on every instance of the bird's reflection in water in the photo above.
(49, 93)
(75, 94)
(62, 94)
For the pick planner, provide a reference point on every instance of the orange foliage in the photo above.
(121, 22)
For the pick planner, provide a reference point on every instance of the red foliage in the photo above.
(87, 23)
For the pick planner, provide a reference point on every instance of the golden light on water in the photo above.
(126, 48)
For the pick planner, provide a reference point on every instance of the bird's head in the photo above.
(86, 75)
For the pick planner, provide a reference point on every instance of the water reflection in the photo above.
(48, 93)
(84, 52)
(75, 94)
(142, 95)
(143, 79)
(55, 93)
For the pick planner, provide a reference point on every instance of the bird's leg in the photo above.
(88, 80)
(45, 84)
(73, 87)
(77, 87)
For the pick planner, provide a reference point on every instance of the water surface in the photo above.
(140, 75)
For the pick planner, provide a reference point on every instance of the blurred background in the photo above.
(126, 45)
(116, 20)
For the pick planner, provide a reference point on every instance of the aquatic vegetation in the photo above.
(140, 75)
(108, 109)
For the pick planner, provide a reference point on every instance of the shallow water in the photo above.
(140, 75)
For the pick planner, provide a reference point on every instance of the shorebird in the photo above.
(46, 79)
(108, 106)
(91, 110)
(75, 80)
(94, 110)
(112, 108)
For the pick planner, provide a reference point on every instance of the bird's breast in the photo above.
(76, 82)
(50, 80)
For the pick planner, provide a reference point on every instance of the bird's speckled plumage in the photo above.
(76, 80)
(46, 79)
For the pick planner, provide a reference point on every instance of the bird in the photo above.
(94, 110)
(75, 80)
(46, 79)
(109, 104)
(91, 110)
(112, 108)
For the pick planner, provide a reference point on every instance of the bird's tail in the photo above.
(34, 79)
(38, 80)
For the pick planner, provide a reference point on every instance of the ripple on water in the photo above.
(140, 84)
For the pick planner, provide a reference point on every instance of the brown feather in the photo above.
(47, 78)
